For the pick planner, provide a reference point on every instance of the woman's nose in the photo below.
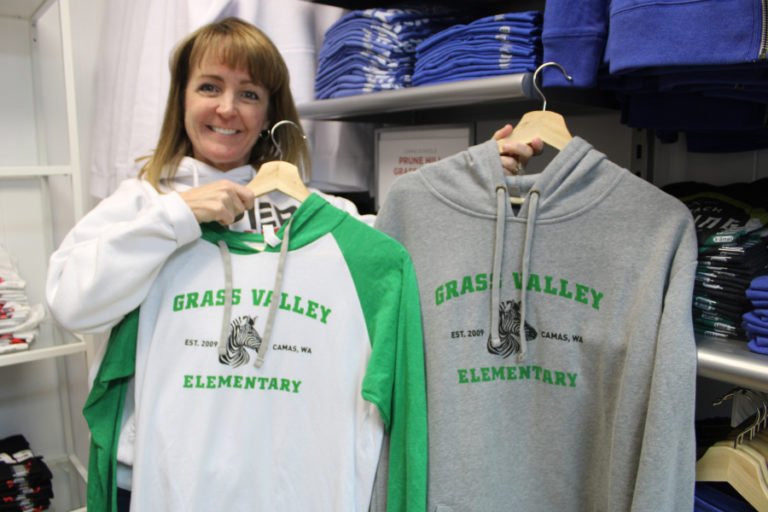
(226, 106)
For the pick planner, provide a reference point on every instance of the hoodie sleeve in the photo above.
(667, 465)
(574, 35)
(105, 265)
(656, 398)
(394, 380)
(395, 383)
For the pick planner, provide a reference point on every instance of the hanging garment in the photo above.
(154, 224)
(650, 53)
(559, 349)
(303, 431)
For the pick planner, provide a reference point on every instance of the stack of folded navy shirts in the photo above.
(756, 320)
(723, 274)
(490, 46)
(730, 228)
(25, 480)
(375, 49)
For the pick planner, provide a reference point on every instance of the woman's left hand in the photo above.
(515, 155)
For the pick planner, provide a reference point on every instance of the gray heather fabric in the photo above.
(598, 413)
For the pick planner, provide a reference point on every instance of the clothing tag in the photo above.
(23, 455)
(270, 237)
(745, 406)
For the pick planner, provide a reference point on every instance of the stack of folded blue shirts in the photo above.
(756, 321)
(494, 45)
(374, 49)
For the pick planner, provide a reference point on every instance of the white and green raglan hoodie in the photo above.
(238, 412)
(559, 347)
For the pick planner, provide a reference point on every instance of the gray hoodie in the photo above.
(560, 356)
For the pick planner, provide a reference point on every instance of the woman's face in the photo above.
(224, 112)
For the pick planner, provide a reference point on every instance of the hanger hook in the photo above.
(536, 75)
(272, 135)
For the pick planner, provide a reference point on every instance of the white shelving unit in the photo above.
(40, 155)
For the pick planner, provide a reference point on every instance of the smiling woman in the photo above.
(225, 110)
(228, 84)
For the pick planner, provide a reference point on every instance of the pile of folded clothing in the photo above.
(730, 228)
(722, 276)
(490, 46)
(375, 49)
(19, 320)
(25, 480)
(756, 321)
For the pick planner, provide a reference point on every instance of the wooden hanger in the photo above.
(740, 460)
(279, 175)
(549, 126)
(738, 467)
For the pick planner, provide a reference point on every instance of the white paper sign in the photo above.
(403, 150)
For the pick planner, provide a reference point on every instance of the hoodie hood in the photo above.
(571, 183)
(194, 173)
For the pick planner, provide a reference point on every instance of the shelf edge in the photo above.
(34, 171)
(460, 93)
(38, 354)
(732, 361)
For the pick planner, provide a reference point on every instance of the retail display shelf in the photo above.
(464, 94)
(496, 97)
(46, 345)
(731, 361)
(482, 6)
(34, 171)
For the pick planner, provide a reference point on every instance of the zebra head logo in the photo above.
(509, 330)
(242, 335)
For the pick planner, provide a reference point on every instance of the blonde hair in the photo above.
(239, 45)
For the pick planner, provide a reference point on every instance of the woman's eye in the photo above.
(207, 88)
(251, 95)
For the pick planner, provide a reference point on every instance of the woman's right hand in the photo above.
(220, 201)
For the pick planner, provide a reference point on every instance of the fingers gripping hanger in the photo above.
(547, 125)
(278, 174)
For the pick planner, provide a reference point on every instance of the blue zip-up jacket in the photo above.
(627, 35)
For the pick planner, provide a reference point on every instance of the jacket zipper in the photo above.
(764, 34)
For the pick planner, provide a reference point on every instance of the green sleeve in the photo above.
(103, 411)
(394, 381)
